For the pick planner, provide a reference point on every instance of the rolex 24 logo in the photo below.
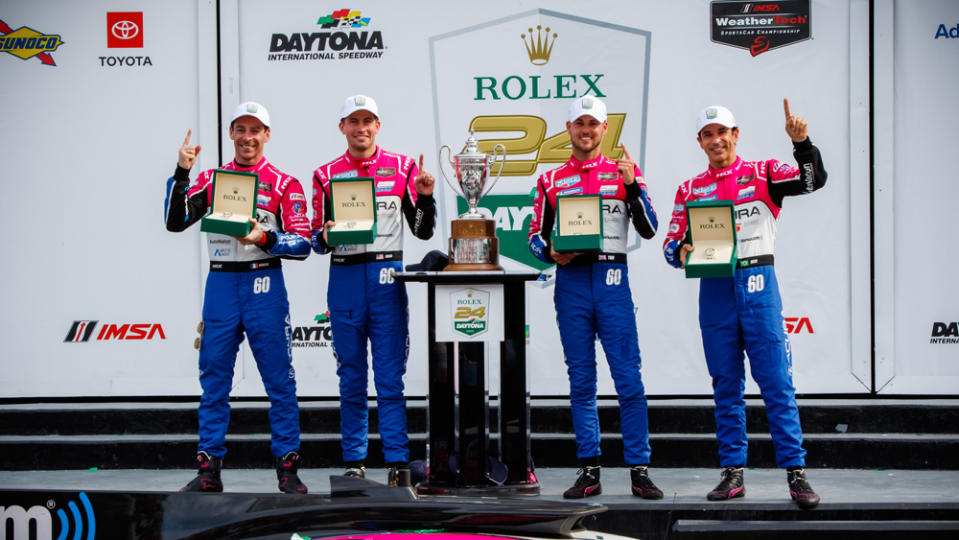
(470, 311)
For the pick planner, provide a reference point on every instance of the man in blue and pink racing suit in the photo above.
(743, 313)
(246, 294)
(592, 294)
(365, 302)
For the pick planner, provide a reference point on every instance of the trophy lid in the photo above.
(472, 149)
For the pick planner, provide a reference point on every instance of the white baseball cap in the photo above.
(251, 108)
(715, 114)
(587, 105)
(359, 102)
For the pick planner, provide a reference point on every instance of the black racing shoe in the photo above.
(800, 490)
(287, 479)
(642, 485)
(396, 476)
(730, 487)
(208, 474)
(587, 485)
(355, 469)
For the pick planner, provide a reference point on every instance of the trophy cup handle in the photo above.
(443, 169)
(493, 162)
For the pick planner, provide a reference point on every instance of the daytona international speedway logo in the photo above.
(345, 36)
(25, 43)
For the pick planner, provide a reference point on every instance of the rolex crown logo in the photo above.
(541, 47)
(579, 215)
(236, 191)
(352, 196)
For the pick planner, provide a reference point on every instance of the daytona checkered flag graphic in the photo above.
(80, 331)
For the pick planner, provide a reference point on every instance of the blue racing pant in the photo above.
(367, 304)
(595, 299)
(744, 313)
(254, 303)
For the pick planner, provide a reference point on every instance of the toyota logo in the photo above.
(125, 30)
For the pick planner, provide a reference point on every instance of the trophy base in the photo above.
(473, 246)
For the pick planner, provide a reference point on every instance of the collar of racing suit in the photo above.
(241, 167)
(581, 166)
(364, 161)
(713, 174)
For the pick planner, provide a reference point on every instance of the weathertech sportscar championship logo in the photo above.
(348, 39)
(25, 43)
(759, 26)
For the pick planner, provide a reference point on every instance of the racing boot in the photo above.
(799, 488)
(398, 474)
(587, 485)
(287, 479)
(642, 485)
(730, 487)
(355, 469)
(208, 474)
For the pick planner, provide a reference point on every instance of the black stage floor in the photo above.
(143, 504)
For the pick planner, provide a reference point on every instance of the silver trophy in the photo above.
(473, 243)
(472, 168)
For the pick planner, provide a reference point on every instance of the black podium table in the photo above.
(460, 449)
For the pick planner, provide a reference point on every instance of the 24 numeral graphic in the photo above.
(464, 312)
(554, 149)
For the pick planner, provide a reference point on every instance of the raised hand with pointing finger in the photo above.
(626, 167)
(795, 125)
(188, 154)
(424, 181)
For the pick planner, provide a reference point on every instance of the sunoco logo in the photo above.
(469, 308)
(347, 39)
(759, 26)
(25, 43)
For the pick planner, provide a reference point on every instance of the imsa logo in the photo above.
(798, 325)
(82, 331)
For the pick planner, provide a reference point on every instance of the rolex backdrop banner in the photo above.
(917, 308)
(99, 97)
